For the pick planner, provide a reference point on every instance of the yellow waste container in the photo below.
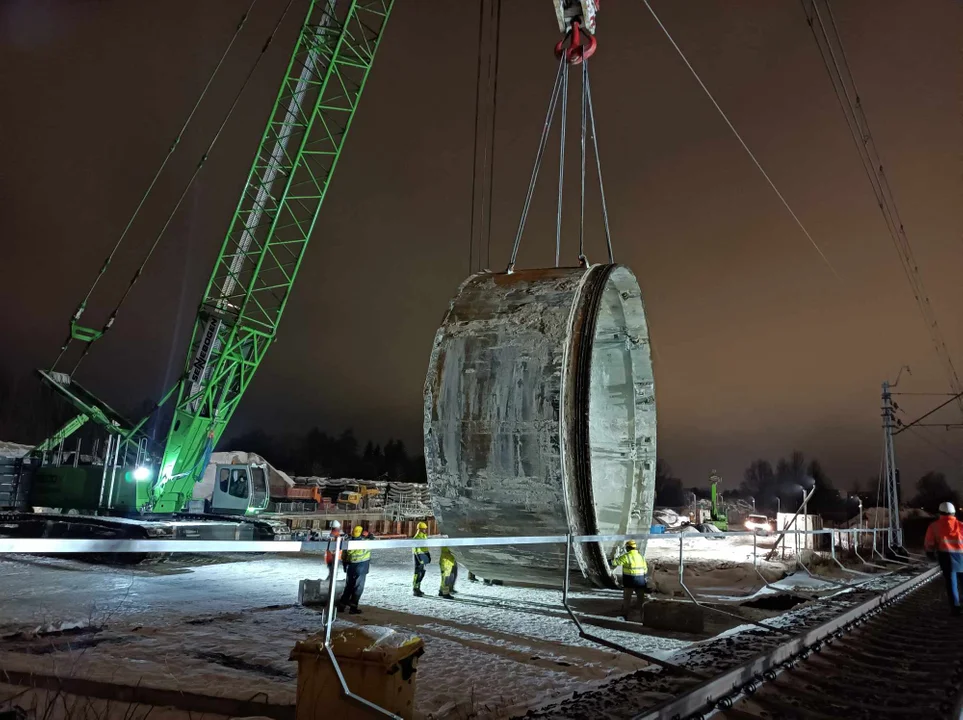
(378, 663)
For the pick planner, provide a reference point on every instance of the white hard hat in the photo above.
(335, 524)
(947, 508)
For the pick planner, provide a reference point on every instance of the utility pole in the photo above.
(889, 468)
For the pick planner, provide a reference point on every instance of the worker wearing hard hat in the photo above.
(356, 561)
(944, 543)
(329, 552)
(634, 576)
(449, 573)
(422, 558)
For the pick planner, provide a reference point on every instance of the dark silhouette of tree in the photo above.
(933, 489)
(668, 489)
(759, 479)
(826, 498)
(317, 453)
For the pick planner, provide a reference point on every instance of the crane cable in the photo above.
(170, 151)
(844, 86)
(488, 49)
(742, 142)
(575, 54)
(190, 182)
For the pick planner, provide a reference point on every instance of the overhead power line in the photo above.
(741, 141)
(821, 21)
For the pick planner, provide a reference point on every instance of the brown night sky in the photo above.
(760, 349)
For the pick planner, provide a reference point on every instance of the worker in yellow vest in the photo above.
(449, 573)
(634, 576)
(422, 558)
(356, 562)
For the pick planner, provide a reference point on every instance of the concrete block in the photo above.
(540, 419)
(315, 592)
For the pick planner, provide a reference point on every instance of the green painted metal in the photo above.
(69, 428)
(269, 233)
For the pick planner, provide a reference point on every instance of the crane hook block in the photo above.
(577, 51)
(581, 11)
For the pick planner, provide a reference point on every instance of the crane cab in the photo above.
(240, 489)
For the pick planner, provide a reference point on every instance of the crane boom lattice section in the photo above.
(269, 233)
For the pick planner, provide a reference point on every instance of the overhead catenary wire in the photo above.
(829, 42)
(742, 142)
(939, 448)
(197, 169)
(942, 405)
(170, 152)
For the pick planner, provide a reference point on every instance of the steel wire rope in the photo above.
(157, 174)
(190, 182)
(581, 211)
(474, 160)
(742, 142)
(539, 156)
(494, 119)
(561, 164)
(598, 163)
(488, 162)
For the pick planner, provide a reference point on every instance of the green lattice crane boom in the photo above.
(258, 263)
(269, 233)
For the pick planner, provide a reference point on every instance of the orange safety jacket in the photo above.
(329, 554)
(945, 535)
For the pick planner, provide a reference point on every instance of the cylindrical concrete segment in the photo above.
(540, 418)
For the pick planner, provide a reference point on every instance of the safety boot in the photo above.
(418, 593)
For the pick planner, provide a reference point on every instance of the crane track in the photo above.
(903, 661)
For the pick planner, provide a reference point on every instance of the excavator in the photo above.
(141, 489)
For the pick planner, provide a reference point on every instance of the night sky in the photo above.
(759, 348)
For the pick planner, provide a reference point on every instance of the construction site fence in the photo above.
(842, 538)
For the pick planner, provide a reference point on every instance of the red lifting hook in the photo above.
(576, 52)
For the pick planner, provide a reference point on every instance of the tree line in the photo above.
(338, 456)
(30, 412)
(783, 486)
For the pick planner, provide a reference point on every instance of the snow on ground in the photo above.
(13, 450)
(226, 625)
(171, 626)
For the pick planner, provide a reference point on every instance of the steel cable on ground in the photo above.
(833, 54)
(190, 182)
(742, 142)
(153, 182)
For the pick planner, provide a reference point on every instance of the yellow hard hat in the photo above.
(630, 544)
(356, 532)
(422, 526)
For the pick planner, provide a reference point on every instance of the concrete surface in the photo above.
(540, 417)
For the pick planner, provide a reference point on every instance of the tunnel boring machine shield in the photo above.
(540, 418)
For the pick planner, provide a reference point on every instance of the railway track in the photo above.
(902, 661)
(896, 655)
(892, 652)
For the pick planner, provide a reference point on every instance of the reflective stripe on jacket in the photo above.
(447, 561)
(632, 563)
(358, 556)
(420, 535)
(945, 535)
